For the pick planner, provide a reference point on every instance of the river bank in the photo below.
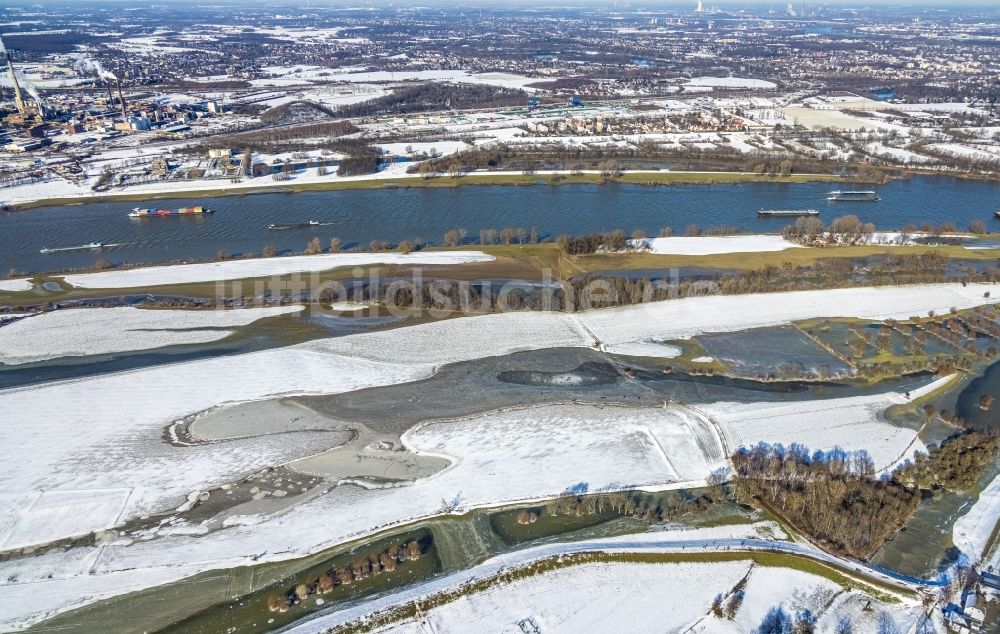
(392, 177)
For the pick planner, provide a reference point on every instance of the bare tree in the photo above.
(454, 237)
(314, 247)
(487, 236)
(427, 169)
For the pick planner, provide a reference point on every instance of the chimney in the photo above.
(121, 96)
(18, 96)
(111, 97)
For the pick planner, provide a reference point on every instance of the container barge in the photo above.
(786, 213)
(183, 211)
(856, 196)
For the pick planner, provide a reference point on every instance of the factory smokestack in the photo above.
(111, 97)
(121, 96)
(18, 96)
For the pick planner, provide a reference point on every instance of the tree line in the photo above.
(277, 139)
(835, 496)
(435, 97)
(612, 159)
(371, 565)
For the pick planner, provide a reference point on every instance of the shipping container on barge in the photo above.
(183, 211)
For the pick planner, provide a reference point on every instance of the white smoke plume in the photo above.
(28, 87)
(23, 82)
(86, 66)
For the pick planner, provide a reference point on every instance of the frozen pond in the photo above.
(784, 352)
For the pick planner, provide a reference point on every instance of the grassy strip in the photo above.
(895, 412)
(835, 574)
(939, 391)
(660, 178)
(528, 262)
(767, 513)
(636, 178)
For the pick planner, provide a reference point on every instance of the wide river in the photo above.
(239, 223)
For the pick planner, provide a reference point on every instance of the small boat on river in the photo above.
(81, 247)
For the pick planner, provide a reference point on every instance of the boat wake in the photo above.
(83, 247)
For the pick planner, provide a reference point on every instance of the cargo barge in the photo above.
(183, 211)
(297, 225)
(856, 196)
(786, 213)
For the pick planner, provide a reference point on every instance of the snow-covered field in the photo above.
(603, 447)
(732, 82)
(797, 591)
(632, 597)
(463, 339)
(336, 96)
(851, 423)
(436, 148)
(22, 284)
(818, 119)
(78, 440)
(78, 332)
(105, 432)
(964, 151)
(972, 531)
(53, 515)
(898, 154)
(644, 349)
(491, 335)
(496, 458)
(599, 597)
(688, 317)
(262, 267)
(711, 245)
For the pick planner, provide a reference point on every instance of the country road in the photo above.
(642, 543)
